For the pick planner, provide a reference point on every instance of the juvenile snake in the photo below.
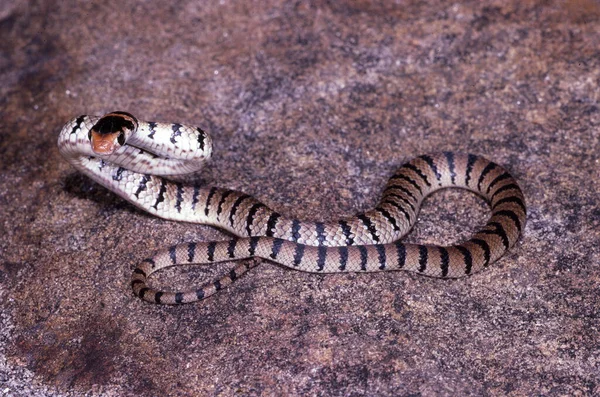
(132, 158)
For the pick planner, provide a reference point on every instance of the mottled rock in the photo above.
(311, 106)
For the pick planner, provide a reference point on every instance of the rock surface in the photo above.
(311, 106)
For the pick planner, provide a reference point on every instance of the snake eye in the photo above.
(121, 139)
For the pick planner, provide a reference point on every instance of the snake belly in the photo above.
(146, 156)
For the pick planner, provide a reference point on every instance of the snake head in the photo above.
(111, 132)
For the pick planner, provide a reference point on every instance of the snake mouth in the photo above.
(104, 144)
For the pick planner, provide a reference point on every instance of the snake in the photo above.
(146, 162)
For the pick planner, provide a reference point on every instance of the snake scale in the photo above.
(140, 161)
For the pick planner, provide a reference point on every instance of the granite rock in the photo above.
(311, 105)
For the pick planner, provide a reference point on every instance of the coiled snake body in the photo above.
(134, 158)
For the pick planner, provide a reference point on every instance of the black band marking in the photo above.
(444, 261)
(504, 188)
(320, 228)
(418, 171)
(179, 197)
(235, 206)
(401, 198)
(409, 180)
(423, 252)
(157, 296)
(511, 199)
(77, 125)
(191, 252)
(400, 253)
(498, 231)
(468, 258)
(298, 254)
(343, 251)
(250, 219)
(201, 137)
(231, 248)
(176, 132)
(486, 250)
(399, 208)
(451, 166)
(381, 256)
(210, 251)
(401, 188)
(295, 230)
(370, 227)
(179, 297)
(471, 159)
(224, 196)
(277, 243)
(151, 262)
(510, 214)
(253, 244)
(136, 282)
(195, 196)
(173, 254)
(488, 168)
(388, 217)
(496, 180)
(347, 232)
(161, 193)
(151, 126)
(321, 254)
(142, 185)
(211, 193)
(271, 223)
(119, 174)
(200, 293)
(363, 257)
(433, 167)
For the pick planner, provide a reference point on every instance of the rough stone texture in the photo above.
(311, 106)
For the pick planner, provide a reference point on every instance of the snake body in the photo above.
(136, 159)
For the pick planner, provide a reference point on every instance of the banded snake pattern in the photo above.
(143, 162)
